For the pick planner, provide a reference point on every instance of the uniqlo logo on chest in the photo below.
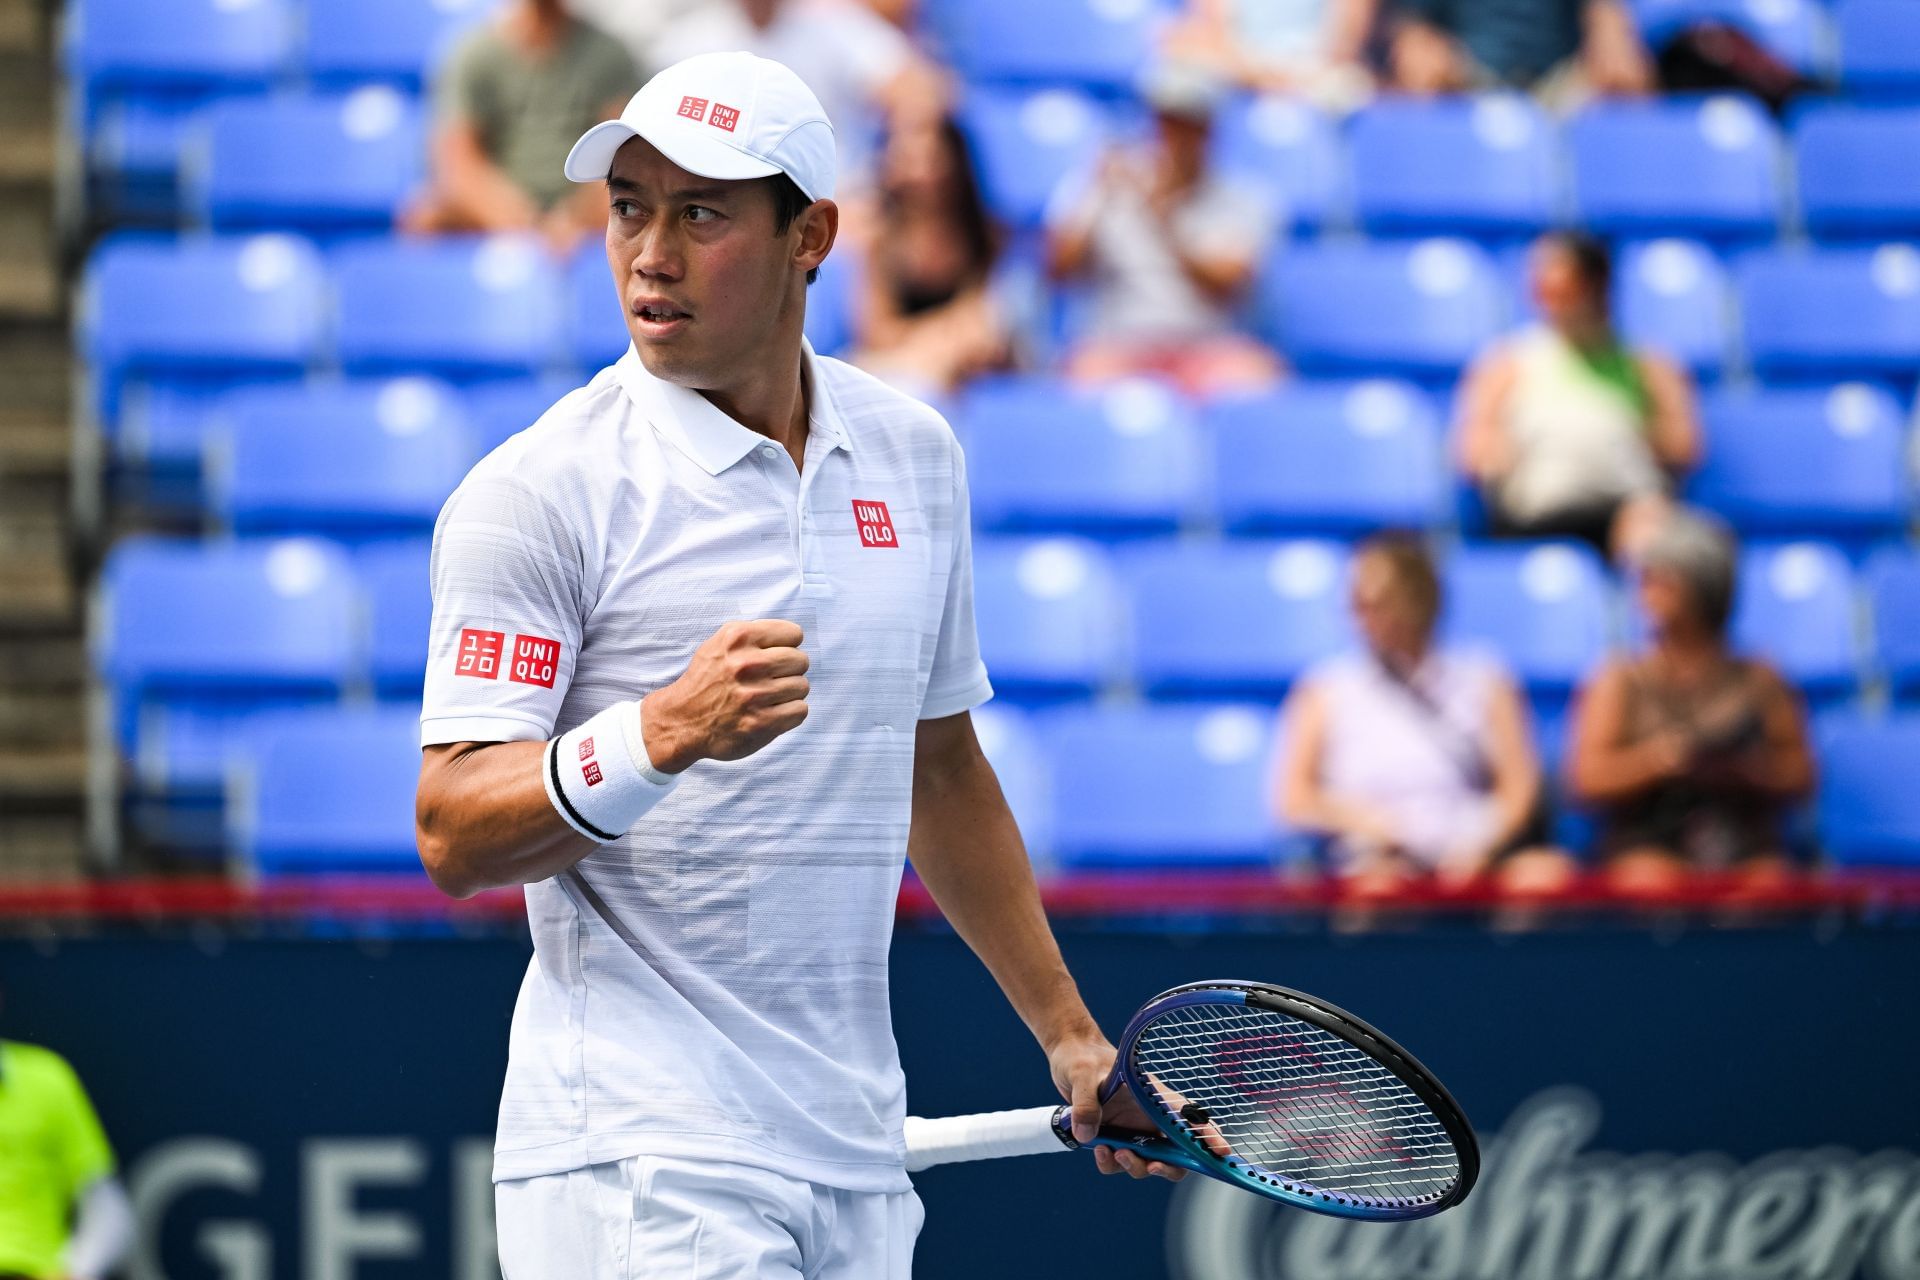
(535, 661)
(693, 108)
(875, 525)
(723, 117)
(479, 654)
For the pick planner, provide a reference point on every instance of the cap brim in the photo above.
(592, 157)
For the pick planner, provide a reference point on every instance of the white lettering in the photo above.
(475, 1255)
(171, 1170)
(335, 1233)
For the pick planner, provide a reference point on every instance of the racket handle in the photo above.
(1030, 1131)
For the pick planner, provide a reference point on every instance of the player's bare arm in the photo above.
(967, 849)
(483, 817)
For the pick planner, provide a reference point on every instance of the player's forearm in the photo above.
(484, 819)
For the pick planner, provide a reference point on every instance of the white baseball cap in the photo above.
(731, 116)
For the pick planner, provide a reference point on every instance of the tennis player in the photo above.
(702, 659)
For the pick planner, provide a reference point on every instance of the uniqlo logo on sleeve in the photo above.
(693, 108)
(479, 654)
(723, 117)
(535, 661)
(592, 773)
(875, 525)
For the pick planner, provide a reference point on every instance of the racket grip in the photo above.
(989, 1135)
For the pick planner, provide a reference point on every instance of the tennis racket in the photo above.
(1265, 1088)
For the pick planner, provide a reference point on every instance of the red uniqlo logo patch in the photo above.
(723, 117)
(875, 525)
(592, 773)
(693, 108)
(586, 747)
(535, 660)
(479, 654)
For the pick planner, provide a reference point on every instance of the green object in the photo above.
(51, 1150)
(1614, 365)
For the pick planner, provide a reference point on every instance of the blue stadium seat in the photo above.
(1879, 48)
(1856, 172)
(458, 307)
(505, 407)
(1806, 462)
(1291, 151)
(178, 45)
(1545, 609)
(399, 611)
(319, 163)
(831, 302)
(1673, 297)
(1833, 313)
(1794, 31)
(1479, 166)
(1423, 310)
(1328, 457)
(351, 461)
(1161, 785)
(595, 311)
(398, 41)
(164, 425)
(1050, 615)
(1869, 808)
(1795, 608)
(1096, 44)
(1119, 460)
(329, 791)
(1699, 167)
(1237, 618)
(1893, 584)
(1025, 143)
(1013, 748)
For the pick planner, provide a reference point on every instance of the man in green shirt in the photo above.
(63, 1214)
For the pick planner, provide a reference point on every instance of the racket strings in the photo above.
(1299, 1101)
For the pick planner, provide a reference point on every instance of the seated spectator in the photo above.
(1169, 247)
(927, 314)
(1315, 49)
(1563, 51)
(508, 106)
(1566, 431)
(1690, 754)
(1417, 761)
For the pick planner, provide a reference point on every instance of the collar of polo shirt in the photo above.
(709, 436)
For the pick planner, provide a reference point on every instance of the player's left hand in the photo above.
(1080, 1067)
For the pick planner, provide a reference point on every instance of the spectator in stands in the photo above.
(927, 312)
(1563, 51)
(1169, 247)
(507, 107)
(1565, 430)
(1315, 49)
(1690, 754)
(1415, 760)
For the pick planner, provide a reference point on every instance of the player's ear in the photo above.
(818, 225)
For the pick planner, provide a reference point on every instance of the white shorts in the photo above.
(655, 1218)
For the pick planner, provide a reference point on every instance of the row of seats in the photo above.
(1092, 787)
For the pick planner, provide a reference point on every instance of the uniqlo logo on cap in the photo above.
(479, 654)
(535, 660)
(693, 108)
(875, 525)
(592, 773)
(723, 117)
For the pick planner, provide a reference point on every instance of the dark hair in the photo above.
(789, 202)
(969, 206)
(1407, 559)
(1592, 259)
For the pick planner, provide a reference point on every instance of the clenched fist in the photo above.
(746, 685)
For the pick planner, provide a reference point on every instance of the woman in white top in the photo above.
(1565, 430)
(1416, 761)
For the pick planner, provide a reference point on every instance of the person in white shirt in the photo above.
(702, 658)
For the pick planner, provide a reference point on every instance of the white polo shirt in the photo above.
(714, 983)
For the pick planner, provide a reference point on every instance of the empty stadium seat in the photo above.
(1698, 167)
(1833, 313)
(1893, 585)
(329, 791)
(1481, 166)
(178, 46)
(504, 407)
(595, 310)
(1117, 460)
(1423, 310)
(1288, 149)
(351, 461)
(401, 41)
(1869, 808)
(1012, 747)
(1050, 616)
(399, 613)
(1235, 619)
(1805, 462)
(1674, 297)
(1545, 610)
(462, 307)
(1025, 143)
(1856, 173)
(1879, 48)
(1328, 457)
(1165, 785)
(1795, 607)
(1097, 44)
(318, 163)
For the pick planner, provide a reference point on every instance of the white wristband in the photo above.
(599, 777)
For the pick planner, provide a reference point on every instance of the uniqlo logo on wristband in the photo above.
(592, 773)
(479, 654)
(536, 660)
(875, 525)
(586, 747)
